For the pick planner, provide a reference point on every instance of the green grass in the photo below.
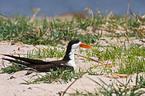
(12, 68)
(42, 31)
(117, 89)
(126, 57)
(49, 52)
(120, 88)
(59, 76)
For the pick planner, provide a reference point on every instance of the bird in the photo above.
(68, 61)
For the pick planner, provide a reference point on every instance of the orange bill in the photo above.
(85, 46)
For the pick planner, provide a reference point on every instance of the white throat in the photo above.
(71, 55)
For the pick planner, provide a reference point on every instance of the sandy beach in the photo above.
(12, 86)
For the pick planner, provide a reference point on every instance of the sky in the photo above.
(57, 7)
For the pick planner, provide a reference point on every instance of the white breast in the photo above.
(71, 55)
(71, 63)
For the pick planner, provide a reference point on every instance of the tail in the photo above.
(24, 61)
(19, 62)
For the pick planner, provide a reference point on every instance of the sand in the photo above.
(13, 87)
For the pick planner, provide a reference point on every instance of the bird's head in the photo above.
(75, 43)
(72, 45)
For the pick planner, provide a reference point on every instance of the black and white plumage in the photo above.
(67, 62)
